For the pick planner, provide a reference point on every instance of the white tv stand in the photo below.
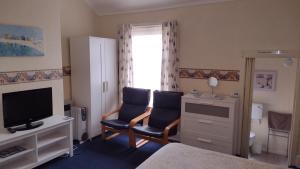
(53, 139)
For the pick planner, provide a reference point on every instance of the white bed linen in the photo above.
(180, 156)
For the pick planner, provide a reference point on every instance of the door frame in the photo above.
(295, 130)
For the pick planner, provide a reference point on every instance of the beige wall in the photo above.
(213, 36)
(46, 15)
(280, 100)
(77, 19)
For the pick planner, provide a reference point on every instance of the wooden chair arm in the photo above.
(134, 121)
(172, 125)
(106, 115)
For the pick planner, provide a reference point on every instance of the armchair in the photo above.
(163, 119)
(135, 102)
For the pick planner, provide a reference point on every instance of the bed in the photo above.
(180, 156)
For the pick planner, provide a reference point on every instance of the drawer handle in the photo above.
(206, 103)
(204, 140)
(205, 121)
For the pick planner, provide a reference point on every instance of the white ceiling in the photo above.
(109, 7)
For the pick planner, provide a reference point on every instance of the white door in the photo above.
(103, 75)
(96, 46)
(111, 80)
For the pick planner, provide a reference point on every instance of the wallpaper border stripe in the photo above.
(192, 73)
(223, 75)
(29, 76)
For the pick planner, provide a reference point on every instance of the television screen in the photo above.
(26, 106)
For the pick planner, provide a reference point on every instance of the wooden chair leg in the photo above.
(103, 134)
(132, 142)
(112, 136)
(165, 140)
(141, 142)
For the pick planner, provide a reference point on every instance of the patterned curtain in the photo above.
(170, 57)
(125, 59)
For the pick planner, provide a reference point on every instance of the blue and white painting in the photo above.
(20, 41)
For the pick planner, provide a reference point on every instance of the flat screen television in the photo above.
(25, 107)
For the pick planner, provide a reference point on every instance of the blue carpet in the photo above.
(99, 154)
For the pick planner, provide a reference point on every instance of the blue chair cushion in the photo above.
(166, 108)
(135, 102)
(116, 124)
(148, 131)
(151, 131)
(167, 100)
(161, 118)
(136, 96)
(129, 112)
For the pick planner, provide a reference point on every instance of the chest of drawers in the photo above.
(210, 123)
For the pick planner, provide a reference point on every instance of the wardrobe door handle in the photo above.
(103, 87)
(106, 86)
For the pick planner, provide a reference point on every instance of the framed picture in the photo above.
(265, 80)
(20, 41)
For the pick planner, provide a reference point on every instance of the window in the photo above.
(147, 57)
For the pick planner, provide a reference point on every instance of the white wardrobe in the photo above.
(94, 77)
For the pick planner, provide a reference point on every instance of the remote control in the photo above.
(11, 151)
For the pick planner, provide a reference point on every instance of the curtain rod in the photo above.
(271, 54)
(147, 23)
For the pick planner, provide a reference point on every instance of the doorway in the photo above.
(256, 78)
(272, 107)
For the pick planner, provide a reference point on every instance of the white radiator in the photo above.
(80, 123)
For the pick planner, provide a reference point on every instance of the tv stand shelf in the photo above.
(50, 140)
(42, 144)
(22, 153)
